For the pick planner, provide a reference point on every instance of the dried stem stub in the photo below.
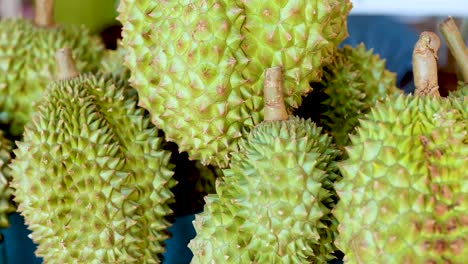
(456, 45)
(425, 64)
(44, 13)
(275, 108)
(66, 68)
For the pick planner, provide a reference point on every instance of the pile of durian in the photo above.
(365, 170)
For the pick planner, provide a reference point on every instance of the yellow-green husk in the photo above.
(198, 65)
(90, 177)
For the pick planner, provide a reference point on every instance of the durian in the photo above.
(269, 206)
(351, 84)
(27, 60)
(90, 177)
(113, 62)
(194, 179)
(404, 187)
(6, 204)
(198, 65)
(461, 91)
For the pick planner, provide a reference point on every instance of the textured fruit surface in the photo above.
(90, 177)
(269, 206)
(198, 65)
(113, 62)
(27, 64)
(6, 205)
(351, 85)
(404, 187)
(461, 92)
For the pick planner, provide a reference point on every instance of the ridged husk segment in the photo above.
(112, 61)
(404, 187)
(264, 213)
(6, 204)
(461, 92)
(198, 65)
(91, 179)
(352, 84)
(27, 64)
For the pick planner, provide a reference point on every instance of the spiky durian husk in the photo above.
(6, 205)
(198, 65)
(404, 187)
(352, 84)
(113, 62)
(27, 64)
(269, 204)
(461, 92)
(90, 177)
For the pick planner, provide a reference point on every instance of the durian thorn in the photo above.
(275, 108)
(452, 36)
(66, 68)
(44, 13)
(425, 64)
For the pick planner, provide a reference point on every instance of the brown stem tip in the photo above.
(66, 68)
(452, 36)
(425, 64)
(44, 13)
(275, 108)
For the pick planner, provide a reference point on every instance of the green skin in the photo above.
(112, 62)
(355, 81)
(6, 205)
(27, 64)
(461, 92)
(197, 180)
(198, 65)
(271, 214)
(404, 187)
(90, 177)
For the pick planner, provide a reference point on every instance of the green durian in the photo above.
(197, 65)
(405, 183)
(90, 177)
(113, 62)
(461, 94)
(461, 91)
(194, 179)
(27, 63)
(404, 187)
(355, 80)
(269, 206)
(6, 204)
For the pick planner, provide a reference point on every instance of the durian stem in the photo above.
(66, 68)
(425, 64)
(275, 108)
(456, 45)
(44, 13)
